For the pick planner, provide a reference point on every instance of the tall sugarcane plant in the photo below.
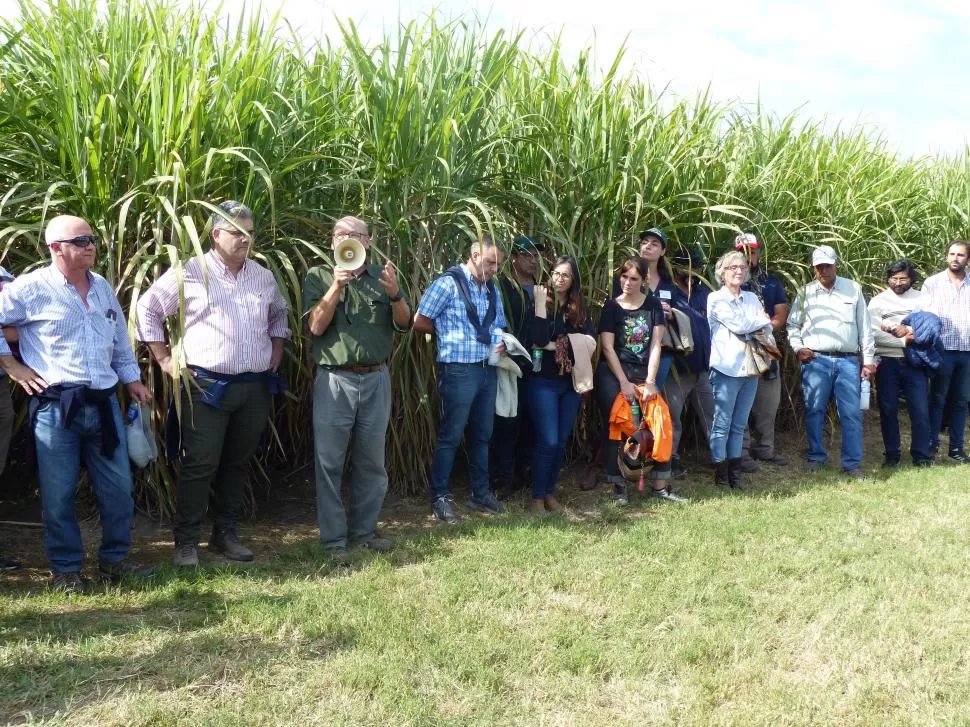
(140, 115)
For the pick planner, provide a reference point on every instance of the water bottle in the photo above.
(866, 392)
(132, 414)
(536, 360)
(636, 413)
(494, 356)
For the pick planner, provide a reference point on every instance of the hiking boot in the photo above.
(891, 460)
(338, 555)
(70, 584)
(444, 509)
(486, 503)
(721, 474)
(537, 507)
(9, 564)
(748, 465)
(377, 543)
(620, 494)
(126, 568)
(552, 504)
(667, 494)
(855, 474)
(813, 465)
(228, 544)
(186, 555)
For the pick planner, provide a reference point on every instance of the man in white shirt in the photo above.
(895, 373)
(829, 329)
(948, 296)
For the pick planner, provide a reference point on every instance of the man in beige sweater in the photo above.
(895, 374)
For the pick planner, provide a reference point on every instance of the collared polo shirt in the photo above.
(361, 332)
(832, 321)
(952, 305)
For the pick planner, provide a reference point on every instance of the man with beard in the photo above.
(948, 297)
(895, 373)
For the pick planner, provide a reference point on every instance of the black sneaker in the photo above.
(186, 555)
(620, 494)
(9, 564)
(126, 568)
(444, 509)
(70, 584)
(667, 494)
(958, 456)
(338, 556)
(891, 460)
(486, 503)
(855, 474)
(677, 470)
(228, 544)
(376, 543)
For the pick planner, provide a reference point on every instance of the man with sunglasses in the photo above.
(75, 349)
(235, 326)
(352, 316)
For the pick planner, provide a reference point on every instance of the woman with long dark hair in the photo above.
(553, 402)
(631, 329)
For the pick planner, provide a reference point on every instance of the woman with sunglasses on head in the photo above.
(552, 399)
(631, 329)
(732, 314)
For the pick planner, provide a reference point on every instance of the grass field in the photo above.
(806, 601)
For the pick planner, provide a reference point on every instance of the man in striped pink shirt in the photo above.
(236, 324)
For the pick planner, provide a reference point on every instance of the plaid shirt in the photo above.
(952, 305)
(442, 303)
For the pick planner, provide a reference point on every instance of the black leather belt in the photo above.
(835, 354)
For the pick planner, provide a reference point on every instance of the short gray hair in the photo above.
(485, 243)
(231, 210)
(730, 258)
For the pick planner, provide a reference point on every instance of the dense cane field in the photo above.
(140, 115)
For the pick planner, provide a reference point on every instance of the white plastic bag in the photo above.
(141, 438)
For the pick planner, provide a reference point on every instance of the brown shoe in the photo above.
(538, 507)
(552, 504)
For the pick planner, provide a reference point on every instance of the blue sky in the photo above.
(895, 67)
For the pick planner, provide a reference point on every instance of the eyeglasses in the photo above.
(900, 281)
(736, 268)
(80, 240)
(559, 275)
(237, 233)
(353, 235)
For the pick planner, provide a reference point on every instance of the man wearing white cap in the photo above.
(761, 422)
(829, 329)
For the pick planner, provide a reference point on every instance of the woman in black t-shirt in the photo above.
(631, 330)
(553, 402)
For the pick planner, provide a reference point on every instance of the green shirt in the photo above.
(361, 332)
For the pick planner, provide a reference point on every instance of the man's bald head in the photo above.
(65, 227)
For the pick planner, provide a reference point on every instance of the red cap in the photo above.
(746, 241)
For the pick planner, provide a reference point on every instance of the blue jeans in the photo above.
(553, 406)
(60, 453)
(467, 393)
(949, 393)
(733, 398)
(823, 378)
(892, 376)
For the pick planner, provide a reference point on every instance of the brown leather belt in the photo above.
(356, 369)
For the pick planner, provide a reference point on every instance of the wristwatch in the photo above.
(396, 298)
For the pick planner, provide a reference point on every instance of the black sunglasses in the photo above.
(81, 240)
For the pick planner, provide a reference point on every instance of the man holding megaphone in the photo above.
(352, 313)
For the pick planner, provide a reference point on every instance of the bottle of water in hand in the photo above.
(866, 394)
(494, 356)
(536, 360)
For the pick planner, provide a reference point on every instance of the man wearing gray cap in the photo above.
(829, 329)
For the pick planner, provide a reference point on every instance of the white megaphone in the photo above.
(348, 254)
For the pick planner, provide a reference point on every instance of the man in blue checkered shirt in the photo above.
(462, 309)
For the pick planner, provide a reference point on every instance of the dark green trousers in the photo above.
(217, 444)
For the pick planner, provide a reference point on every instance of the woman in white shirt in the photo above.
(733, 314)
